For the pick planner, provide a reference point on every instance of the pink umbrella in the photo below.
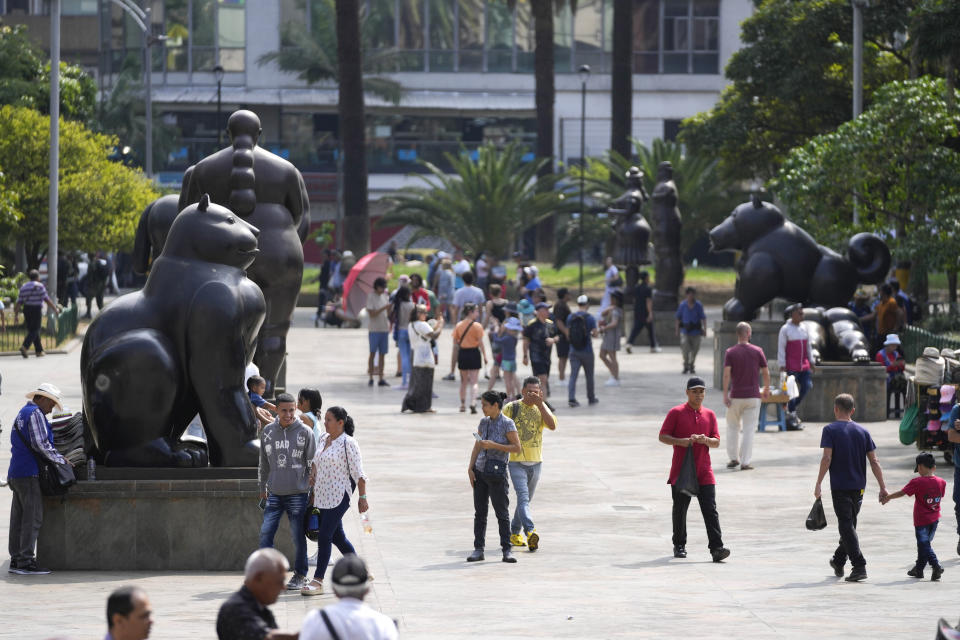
(359, 282)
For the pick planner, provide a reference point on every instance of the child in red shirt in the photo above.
(927, 490)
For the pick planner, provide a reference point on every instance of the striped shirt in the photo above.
(32, 294)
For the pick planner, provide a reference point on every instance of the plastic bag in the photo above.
(793, 391)
(817, 519)
(687, 482)
(908, 425)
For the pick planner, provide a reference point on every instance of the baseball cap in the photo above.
(583, 299)
(927, 460)
(349, 574)
(695, 383)
(541, 305)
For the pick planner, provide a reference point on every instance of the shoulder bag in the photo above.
(56, 478)
(353, 484)
(494, 467)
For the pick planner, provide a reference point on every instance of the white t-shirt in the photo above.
(461, 267)
(420, 344)
(609, 276)
(482, 270)
(351, 619)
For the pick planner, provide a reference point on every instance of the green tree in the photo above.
(482, 205)
(25, 78)
(100, 200)
(792, 80)
(899, 159)
(935, 30)
(705, 196)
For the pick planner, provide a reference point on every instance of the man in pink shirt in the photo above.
(692, 425)
(742, 364)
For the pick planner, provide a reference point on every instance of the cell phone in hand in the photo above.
(477, 436)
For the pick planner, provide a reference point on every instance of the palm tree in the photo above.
(482, 205)
(621, 78)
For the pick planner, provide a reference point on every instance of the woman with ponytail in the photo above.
(336, 472)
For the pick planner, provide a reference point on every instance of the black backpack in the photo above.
(577, 329)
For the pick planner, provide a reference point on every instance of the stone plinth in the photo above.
(156, 524)
(867, 383)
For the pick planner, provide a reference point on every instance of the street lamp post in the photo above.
(218, 73)
(858, 6)
(584, 73)
(54, 194)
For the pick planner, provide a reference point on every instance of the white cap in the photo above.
(583, 299)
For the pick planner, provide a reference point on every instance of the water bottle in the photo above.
(365, 521)
(91, 469)
(783, 380)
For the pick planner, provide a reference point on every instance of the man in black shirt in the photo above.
(245, 616)
(561, 311)
(643, 313)
(538, 337)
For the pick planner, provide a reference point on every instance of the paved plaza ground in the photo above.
(605, 567)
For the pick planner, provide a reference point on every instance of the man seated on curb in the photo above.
(349, 617)
(245, 616)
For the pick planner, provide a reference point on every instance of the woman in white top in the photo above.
(419, 396)
(336, 466)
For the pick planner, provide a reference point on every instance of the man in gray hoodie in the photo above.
(286, 453)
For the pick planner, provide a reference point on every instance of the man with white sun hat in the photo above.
(31, 437)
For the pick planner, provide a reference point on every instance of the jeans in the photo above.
(846, 504)
(743, 414)
(403, 343)
(578, 358)
(689, 346)
(331, 533)
(26, 516)
(494, 489)
(524, 478)
(804, 384)
(295, 506)
(639, 324)
(32, 317)
(708, 507)
(925, 552)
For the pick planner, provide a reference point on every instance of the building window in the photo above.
(676, 36)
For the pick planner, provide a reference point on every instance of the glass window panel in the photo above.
(706, 7)
(706, 34)
(378, 23)
(232, 59)
(204, 59)
(441, 61)
(562, 39)
(470, 34)
(675, 34)
(204, 22)
(588, 25)
(676, 7)
(73, 7)
(675, 62)
(708, 63)
(646, 63)
(176, 58)
(293, 15)
(524, 38)
(646, 31)
(441, 24)
(499, 37)
(231, 27)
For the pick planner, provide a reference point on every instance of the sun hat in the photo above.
(931, 352)
(350, 575)
(948, 353)
(47, 390)
(513, 324)
(583, 299)
(892, 338)
(696, 383)
(525, 306)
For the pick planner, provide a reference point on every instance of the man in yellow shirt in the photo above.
(531, 415)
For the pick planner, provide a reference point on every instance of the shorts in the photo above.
(469, 359)
(379, 341)
(498, 358)
(508, 365)
(540, 368)
(563, 347)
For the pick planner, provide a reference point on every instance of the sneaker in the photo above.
(573, 404)
(476, 556)
(32, 569)
(23, 351)
(473, 408)
(746, 467)
(383, 383)
(533, 540)
(680, 552)
(400, 387)
(40, 354)
(655, 350)
(593, 401)
(370, 382)
(837, 568)
(685, 371)
(14, 568)
(721, 554)
(937, 572)
(693, 371)
(857, 574)
(449, 376)
(508, 556)
(297, 582)
(611, 382)
(733, 464)
(312, 588)
(629, 348)
(517, 540)
(916, 572)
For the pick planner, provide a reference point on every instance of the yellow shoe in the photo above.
(518, 540)
(533, 540)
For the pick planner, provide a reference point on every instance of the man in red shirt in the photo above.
(692, 425)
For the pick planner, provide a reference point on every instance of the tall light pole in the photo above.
(53, 223)
(584, 73)
(218, 74)
(858, 5)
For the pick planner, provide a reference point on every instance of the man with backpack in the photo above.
(580, 327)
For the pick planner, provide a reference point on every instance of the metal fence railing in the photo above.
(62, 327)
(914, 340)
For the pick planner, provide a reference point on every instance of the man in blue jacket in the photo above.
(31, 436)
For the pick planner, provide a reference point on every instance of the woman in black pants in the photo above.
(336, 464)
(496, 439)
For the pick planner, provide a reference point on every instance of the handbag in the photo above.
(311, 524)
(817, 519)
(55, 478)
(687, 482)
(494, 467)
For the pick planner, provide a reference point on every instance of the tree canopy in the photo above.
(900, 160)
(100, 200)
(25, 78)
(792, 80)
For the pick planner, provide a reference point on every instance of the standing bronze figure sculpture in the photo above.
(155, 358)
(631, 231)
(269, 193)
(667, 225)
